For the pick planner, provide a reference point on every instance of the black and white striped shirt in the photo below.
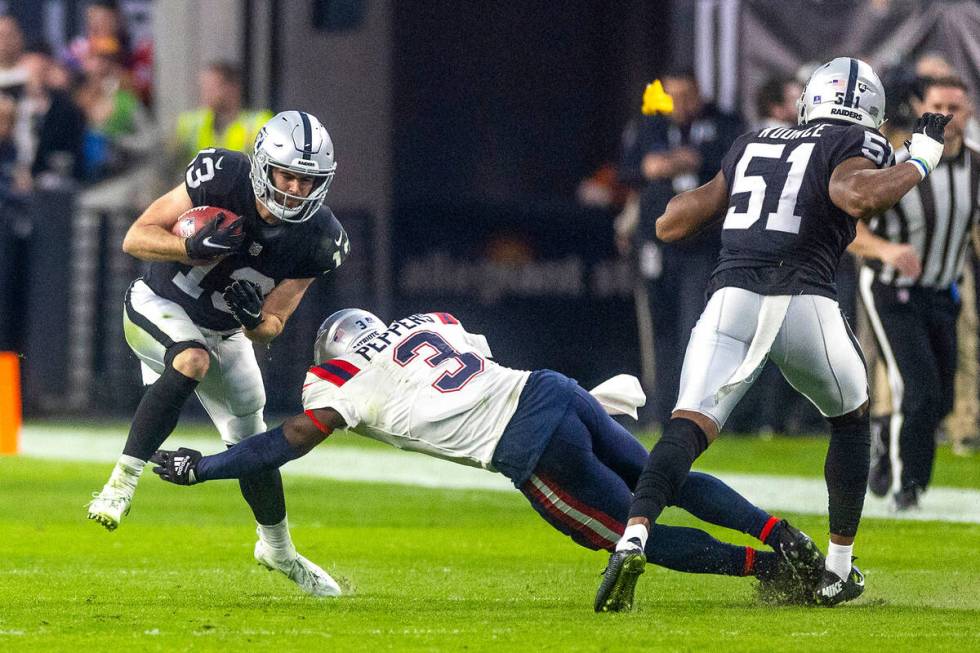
(935, 217)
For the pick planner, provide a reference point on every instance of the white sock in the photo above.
(127, 471)
(839, 559)
(638, 531)
(277, 537)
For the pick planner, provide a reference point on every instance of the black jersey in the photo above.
(782, 234)
(270, 254)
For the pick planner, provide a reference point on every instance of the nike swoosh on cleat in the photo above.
(207, 242)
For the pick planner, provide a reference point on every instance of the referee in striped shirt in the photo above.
(914, 255)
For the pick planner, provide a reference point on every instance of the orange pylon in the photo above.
(10, 408)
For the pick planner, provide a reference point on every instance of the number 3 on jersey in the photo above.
(784, 218)
(197, 176)
(469, 363)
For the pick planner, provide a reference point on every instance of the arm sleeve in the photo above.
(322, 393)
(211, 175)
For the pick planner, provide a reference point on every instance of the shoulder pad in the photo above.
(445, 318)
(215, 173)
(329, 248)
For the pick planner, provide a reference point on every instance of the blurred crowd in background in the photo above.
(77, 115)
(73, 115)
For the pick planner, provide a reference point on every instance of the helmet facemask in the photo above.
(276, 200)
(294, 142)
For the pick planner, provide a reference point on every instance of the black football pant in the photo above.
(916, 333)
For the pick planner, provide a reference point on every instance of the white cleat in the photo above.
(110, 505)
(310, 577)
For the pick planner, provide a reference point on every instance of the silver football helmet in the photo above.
(844, 89)
(294, 141)
(344, 331)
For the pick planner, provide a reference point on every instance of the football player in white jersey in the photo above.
(425, 384)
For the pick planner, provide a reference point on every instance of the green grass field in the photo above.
(436, 570)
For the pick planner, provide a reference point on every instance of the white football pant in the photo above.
(814, 349)
(232, 392)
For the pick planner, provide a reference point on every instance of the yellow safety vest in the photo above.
(195, 131)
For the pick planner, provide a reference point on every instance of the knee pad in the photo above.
(178, 347)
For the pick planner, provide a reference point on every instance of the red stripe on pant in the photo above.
(749, 565)
(767, 529)
(597, 540)
(598, 515)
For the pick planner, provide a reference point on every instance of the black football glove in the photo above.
(932, 125)
(217, 238)
(926, 145)
(244, 300)
(177, 467)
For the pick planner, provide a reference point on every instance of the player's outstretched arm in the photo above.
(269, 450)
(691, 211)
(150, 239)
(861, 190)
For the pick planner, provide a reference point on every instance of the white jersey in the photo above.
(424, 385)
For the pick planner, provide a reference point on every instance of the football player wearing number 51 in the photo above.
(192, 318)
(788, 199)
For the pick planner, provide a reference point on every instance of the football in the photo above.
(193, 219)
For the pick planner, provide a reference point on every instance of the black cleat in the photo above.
(834, 589)
(880, 475)
(619, 580)
(801, 554)
(779, 585)
(906, 499)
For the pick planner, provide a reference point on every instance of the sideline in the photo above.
(347, 463)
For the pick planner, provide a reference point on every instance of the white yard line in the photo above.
(345, 463)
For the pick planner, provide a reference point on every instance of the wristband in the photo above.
(920, 165)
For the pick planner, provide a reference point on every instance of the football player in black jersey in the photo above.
(192, 318)
(788, 199)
